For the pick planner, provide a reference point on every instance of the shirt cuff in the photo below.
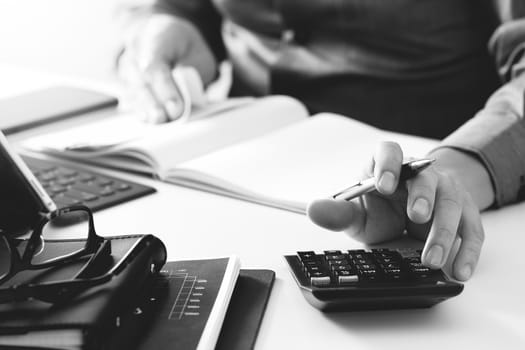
(498, 140)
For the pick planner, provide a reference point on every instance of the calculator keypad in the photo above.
(343, 268)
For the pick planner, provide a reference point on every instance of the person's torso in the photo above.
(415, 66)
(394, 38)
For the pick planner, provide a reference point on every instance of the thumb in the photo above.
(335, 215)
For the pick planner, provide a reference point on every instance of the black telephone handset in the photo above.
(22, 199)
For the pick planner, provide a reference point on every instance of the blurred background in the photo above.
(73, 37)
(76, 40)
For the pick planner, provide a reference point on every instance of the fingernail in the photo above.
(465, 272)
(173, 109)
(435, 256)
(421, 206)
(387, 182)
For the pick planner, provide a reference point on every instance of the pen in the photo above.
(408, 170)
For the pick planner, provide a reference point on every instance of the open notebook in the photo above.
(266, 151)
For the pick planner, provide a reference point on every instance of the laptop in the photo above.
(67, 184)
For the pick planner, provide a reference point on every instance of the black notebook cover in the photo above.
(150, 319)
(186, 305)
(246, 310)
(95, 312)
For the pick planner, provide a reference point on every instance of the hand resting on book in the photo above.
(434, 206)
(156, 47)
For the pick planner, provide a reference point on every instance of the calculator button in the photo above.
(311, 266)
(380, 250)
(416, 265)
(393, 277)
(419, 270)
(412, 260)
(307, 255)
(392, 272)
(362, 258)
(391, 266)
(346, 277)
(319, 274)
(338, 262)
(320, 281)
(388, 258)
(312, 269)
(335, 257)
(332, 252)
(342, 268)
(366, 266)
(358, 256)
(307, 264)
(409, 253)
(369, 275)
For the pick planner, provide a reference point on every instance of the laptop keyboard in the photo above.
(69, 185)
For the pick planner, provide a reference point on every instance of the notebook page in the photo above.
(179, 143)
(127, 143)
(310, 159)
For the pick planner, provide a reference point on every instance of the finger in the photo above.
(447, 215)
(384, 220)
(387, 166)
(154, 113)
(140, 95)
(337, 215)
(421, 196)
(472, 237)
(158, 77)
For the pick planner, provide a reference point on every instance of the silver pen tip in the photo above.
(421, 163)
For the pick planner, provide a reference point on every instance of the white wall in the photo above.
(73, 37)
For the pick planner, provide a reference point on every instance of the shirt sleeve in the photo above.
(496, 135)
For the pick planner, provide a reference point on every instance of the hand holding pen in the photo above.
(408, 170)
(430, 205)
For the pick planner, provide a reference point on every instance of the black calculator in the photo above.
(369, 279)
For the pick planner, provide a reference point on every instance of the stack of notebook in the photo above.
(150, 305)
(90, 318)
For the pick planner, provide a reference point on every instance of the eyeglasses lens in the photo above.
(74, 225)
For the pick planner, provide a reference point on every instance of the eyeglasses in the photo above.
(37, 253)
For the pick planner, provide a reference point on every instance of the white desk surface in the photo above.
(489, 313)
